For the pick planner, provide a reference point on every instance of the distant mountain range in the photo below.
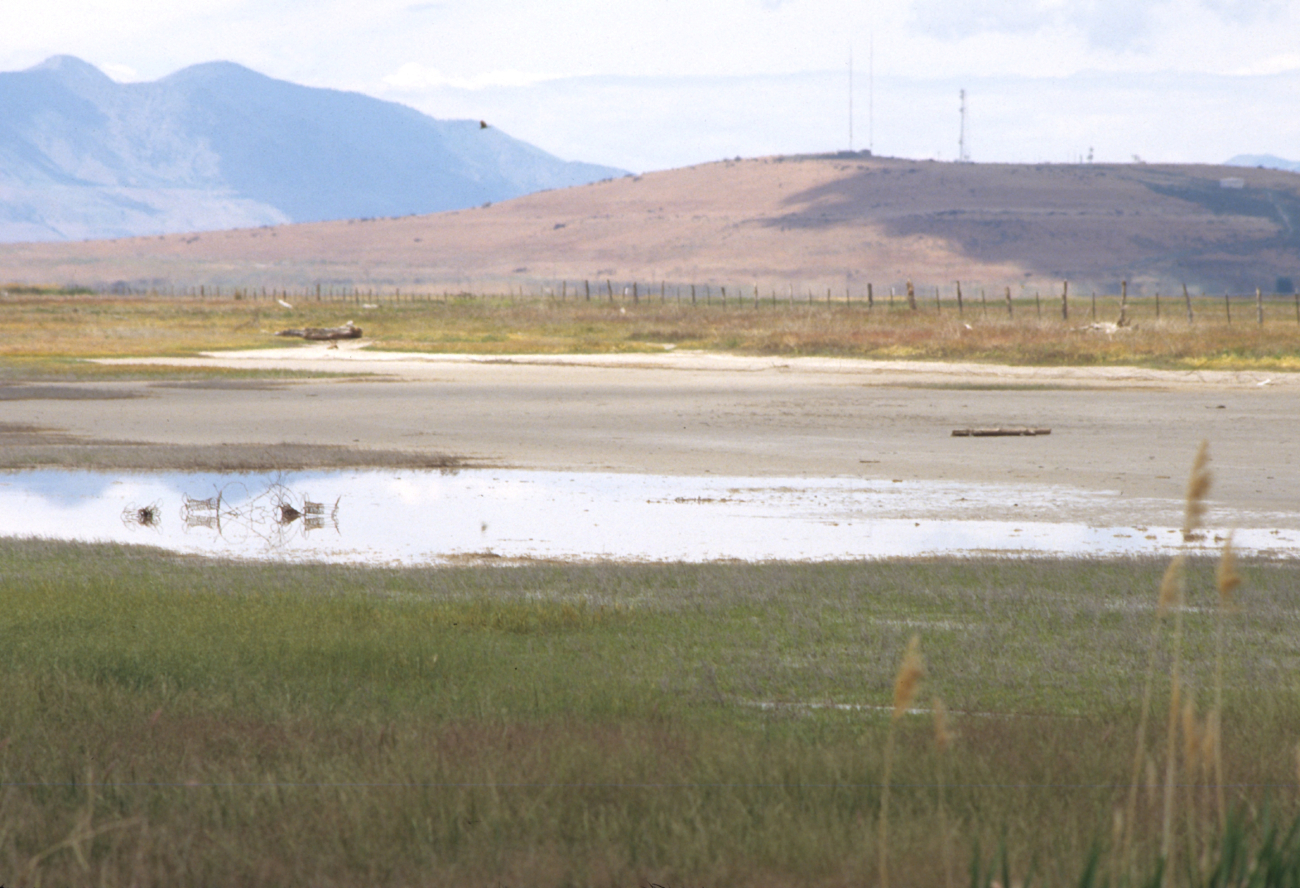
(219, 146)
(1267, 161)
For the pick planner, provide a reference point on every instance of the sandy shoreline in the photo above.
(1130, 432)
(358, 357)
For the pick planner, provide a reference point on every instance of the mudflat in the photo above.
(1129, 431)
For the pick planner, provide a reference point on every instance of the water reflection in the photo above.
(420, 517)
(143, 516)
(272, 516)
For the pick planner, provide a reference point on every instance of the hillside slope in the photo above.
(833, 221)
(219, 146)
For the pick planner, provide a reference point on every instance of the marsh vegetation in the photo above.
(171, 720)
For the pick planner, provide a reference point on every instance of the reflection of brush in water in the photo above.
(212, 504)
(143, 516)
(211, 522)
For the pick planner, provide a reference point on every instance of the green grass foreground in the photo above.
(171, 721)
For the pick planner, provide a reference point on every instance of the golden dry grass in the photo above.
(104, 326)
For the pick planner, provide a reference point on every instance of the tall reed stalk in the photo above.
(1171, 599)
(905, 687)
(1227, 580)
(1198, 486)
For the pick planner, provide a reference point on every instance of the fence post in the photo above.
(1008, 302)
(1259, 305)
(724, 297)
(1227, 308)
(938, 309)
(1123, 304)
(911, 296)
(636, 297)
(755, 296)
(1065, 300)
(692, 294)
(609, 286)
(959, 308)
(586, 285)
(1038, 305)
(1187, 298)
(871, 298)
(1157, 305)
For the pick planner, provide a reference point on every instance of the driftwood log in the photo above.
(347, 331)
(999, 432)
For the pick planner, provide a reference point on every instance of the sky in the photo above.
(655, 84)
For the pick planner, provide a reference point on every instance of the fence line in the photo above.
(1123, 308)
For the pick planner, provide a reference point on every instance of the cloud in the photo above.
(1277, 64)
(1107, 24)
(1244, 11)
(414, 76)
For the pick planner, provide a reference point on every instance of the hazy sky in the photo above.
(650, 84)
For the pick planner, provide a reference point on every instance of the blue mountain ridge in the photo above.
(218, 145)
(1267, 161)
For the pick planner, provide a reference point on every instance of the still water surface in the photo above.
(427, 517)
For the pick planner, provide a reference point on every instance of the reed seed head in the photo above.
(1198, 485)
(1227, 576)
(1171, 586)
(909, 677)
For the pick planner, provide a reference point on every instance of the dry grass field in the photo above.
(778, 222)
(44, 327)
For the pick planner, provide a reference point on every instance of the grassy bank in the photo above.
(59, 326)
(172, 721)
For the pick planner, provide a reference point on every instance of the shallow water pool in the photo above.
(409, 517)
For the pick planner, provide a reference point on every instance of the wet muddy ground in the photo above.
(1120, 445)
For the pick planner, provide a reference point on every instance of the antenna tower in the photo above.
(962, 156)
(850, 97)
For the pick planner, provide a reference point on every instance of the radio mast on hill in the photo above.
(871, 94)
(962, 156)
(850, 97)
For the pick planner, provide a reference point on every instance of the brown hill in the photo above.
(805, 222)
